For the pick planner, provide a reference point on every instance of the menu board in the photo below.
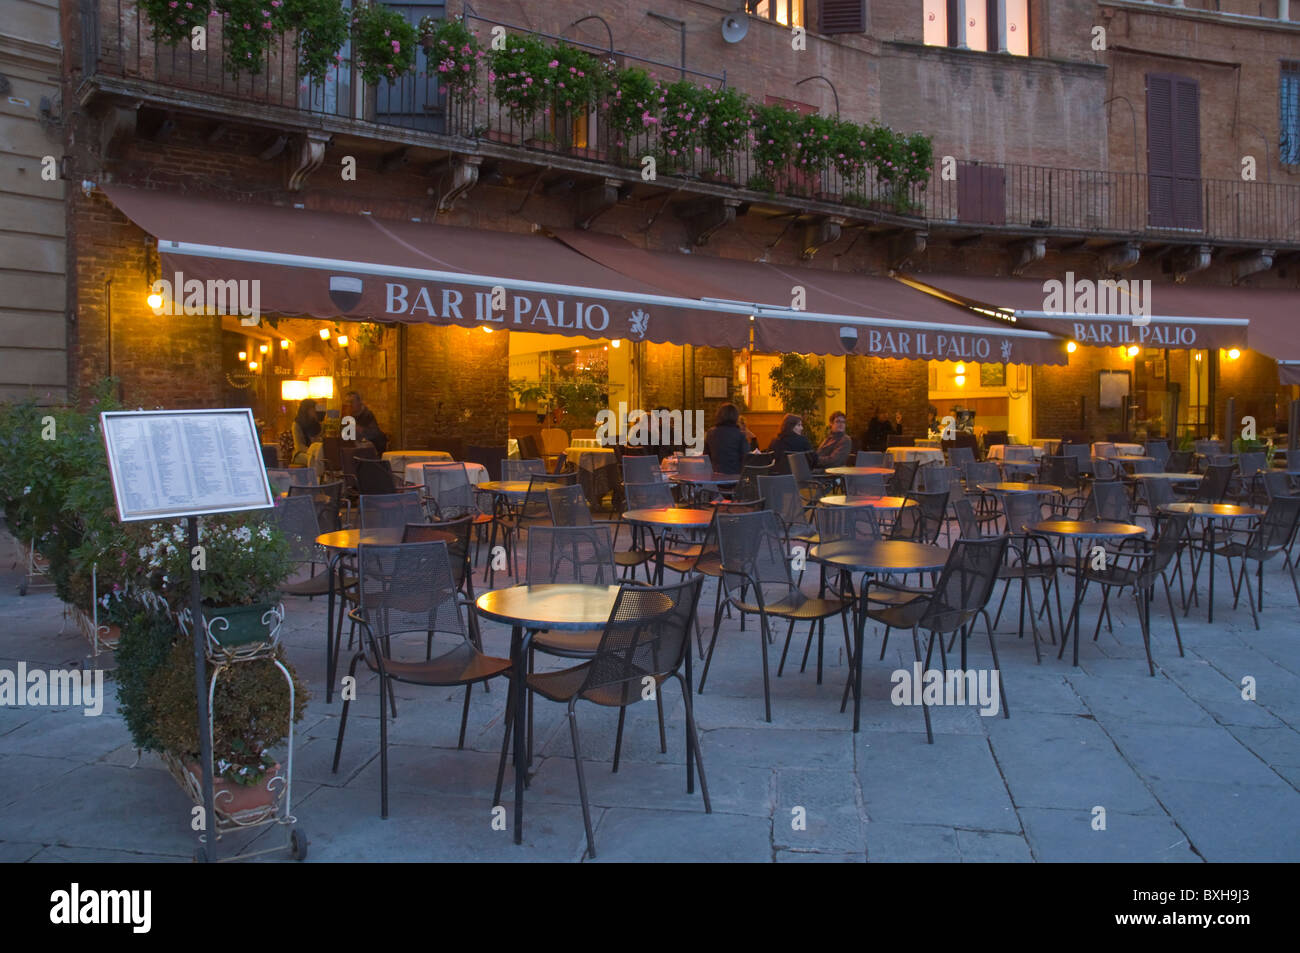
(168, 463)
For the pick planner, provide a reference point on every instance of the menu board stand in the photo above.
(167, 464)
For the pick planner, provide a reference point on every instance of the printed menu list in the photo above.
(178, 463)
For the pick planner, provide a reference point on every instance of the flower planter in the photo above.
(596, 155)
(239, 802)
(546, 145)
(240, 625)
(498, 135)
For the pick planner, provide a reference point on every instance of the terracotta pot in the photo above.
(497, 135)
(230, 798)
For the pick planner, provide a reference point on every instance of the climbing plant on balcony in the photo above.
(250, 27)
(454, 54)
(173, 21)
(684, 114)
(383, 43)
(725, 132)
(632, 107)
(320, 32)
(774, 130)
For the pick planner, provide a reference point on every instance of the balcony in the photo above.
(1009, 203)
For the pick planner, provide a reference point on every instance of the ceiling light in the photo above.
(294, 390)
(1134, 350)
(343, 340)
(1233, 354)
(243, 355)
(320, 387)
(155, 300)
(1072, 346)
(284, 344)
(324, 334)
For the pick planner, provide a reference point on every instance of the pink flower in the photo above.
(553, 63)
(266, 25)
(174, 4)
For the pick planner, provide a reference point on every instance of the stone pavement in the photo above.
(1184, 767)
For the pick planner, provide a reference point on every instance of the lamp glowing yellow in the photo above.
(264, 348)
(243, 355)
(1233, 354)
(284, 344)
(293, 390)
(1071, 347)
(616, 343)
(1134, 350)
(1198, 355)
(488, 330)
(959, 370)
(320, 387)
(252, 365)
(155, 300)
(324, 334)
(961, 380)
(343, 340)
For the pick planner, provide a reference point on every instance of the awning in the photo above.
(836, 313)
(331, 265)
(1101, 314)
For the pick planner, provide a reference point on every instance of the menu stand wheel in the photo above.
(298, 844)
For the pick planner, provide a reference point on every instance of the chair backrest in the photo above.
(965, 583)
(1145, 466)
(960, 456)
(1062, 471)
(1103, 449)
(1214, 485)
(1277, 483)
(935, 478)
(1103, 468)
(374, 476)
(390, 510)
(846, 524)
(459, 549)
(642, 469)
(647, 636)
(1108, 501)
(1158, 450)
(864, 484)
(752, 547)
(521, 469)
(1018, 453)
(279, 479)
(695, 467)
(1172, 530)
(1248, 464)
(1221, 459)
(554, 440)
(348, 456)
(1021, 510)
(1158, 493)
(408, 587)
(765, 459)
(904, 477)
(897, 440)
(647, 496)
(296, 517)
(932, 508)
(995, 437)
(798, 463)
(747, 487)
(580, 434)
(487, 457)
(966, 521)
(781, 495)
(870, 458)
(326, 496)
(569, 506)
(1179, 461)
(450, 490)
(1277, 524)
(1080, 453)
(537, 503)
(1207, 446)
(582, 554)
(977, 473)
(529, 448)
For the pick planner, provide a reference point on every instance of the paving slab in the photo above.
(818, 857)
(829, 818)
(989, 847)
(892, 842)
(1068, 837)
(631, 835)
(1236, 822)
(1191, 753)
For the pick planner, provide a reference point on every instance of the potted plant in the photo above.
(799, 384)
(516, 73)
(383, 43)
(684, 116)
(244, 559)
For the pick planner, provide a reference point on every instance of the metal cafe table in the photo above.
(1212, 513)
(559, 607)
(890, 503)
(694, 484)
(338, 544)
(668, 517)
(887, 556)
(1081, 531)
(841, 472)
(1013, 486)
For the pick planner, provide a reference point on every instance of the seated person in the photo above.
(367, 426)
(879, 430)
(726, 444)
(789, 440)
(835, 449)
(306, 431)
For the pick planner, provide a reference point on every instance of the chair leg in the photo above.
(780, 669)
(883, 643)
(618, 739)
(925, 709)
(464, 719)
(1144, 622)
(767, 682)
(708, 658)
(659, 703)
(997, 666)
(383, 748)
(505, 746)
(343, 720)
(693, 747)
(582, 781)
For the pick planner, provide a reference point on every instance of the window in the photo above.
(1289, 120)
(999, 26)
(785, 12)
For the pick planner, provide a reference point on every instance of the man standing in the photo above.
(367, 426)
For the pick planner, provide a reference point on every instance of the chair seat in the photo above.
(567, 644)
(632, 557)
(317, 585)
(562, 686)
(812, 607)
(461, 665)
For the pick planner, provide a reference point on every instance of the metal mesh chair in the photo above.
(575, 554)
(411, 588)
(1180, 461)
(923, 522)
(647, 496)
(1277, 483)
(1247, 484)
(1140, 574)
(958, 457)
(644, 643)
(1156, 493)
(904, 476)
(968, 524)
(535, 510)
(296, 518)
(450, 491)
(1214, 485)
(1108, 500)
(695, 468)
(747, 487)
(391, 510)
(756, 578)
(869, 458)
(962, 592)
(374, 477)
(814, 487)
(569, 506)
(781, 495)
(764, 460)
(1029, 557)
(864, 484)
(1081, 454)
(1063, 471)
(512, 470)
(844, 524)
(328, 497)
(1271, 538)
(642, 469)
(1158, 450)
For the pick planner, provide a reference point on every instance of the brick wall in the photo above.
(1252, 380)
(456, 385)
(891, 386)
(1057, 392)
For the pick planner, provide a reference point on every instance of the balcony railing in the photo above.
(981, 196)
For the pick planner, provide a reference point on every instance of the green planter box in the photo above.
(240, 625)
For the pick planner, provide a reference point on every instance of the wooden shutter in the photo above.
(1173, 152)
(842, 16)
(981, 194)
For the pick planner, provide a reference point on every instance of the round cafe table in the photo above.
(663, 518)
(561, 607)
(1172, 477)
(1015, 487)
(694, 484)
(885, 556)
(860, 471)
(414, 472)
(920, 454)
(1082, 531)
(890, 503)
(1212, 514)
(338, 544)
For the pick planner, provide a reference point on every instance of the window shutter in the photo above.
(842, 16)
(1160, 151)
(1187, 153)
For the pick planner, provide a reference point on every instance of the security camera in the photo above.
(849, 338)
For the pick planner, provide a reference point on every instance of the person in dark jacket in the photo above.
(789, 440)
(726, 444)
(879, 431)
(835, 449)
(367, 426)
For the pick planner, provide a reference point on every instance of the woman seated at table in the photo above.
(835, 449)
(306, 431)
(725, 443)
(789, 440)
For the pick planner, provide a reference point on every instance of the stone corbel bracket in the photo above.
(1120, 257)
(464, 176)
(904, 248)
(307, 156)
(823, 231)
(1188, 261)
(705, 216)
(1252, 263)
(595, 200)
(1024, 254)
(117, 128)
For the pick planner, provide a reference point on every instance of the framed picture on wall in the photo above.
(1160, 368)
(717, 387)
(1112, 388)
(993, 375)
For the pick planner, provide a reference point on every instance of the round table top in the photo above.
(352, 538)
(1130, 458)
(1013, 487)
(670, 516)
(1214, 511)
(504, 486)
(713, 478)
(1176, 477)
(875, 502)
(883, 555)
(562, 606)
(1087, 529)
(860, 471)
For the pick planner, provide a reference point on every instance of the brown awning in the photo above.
(1149, 314)
(836, 313)
(331, 265)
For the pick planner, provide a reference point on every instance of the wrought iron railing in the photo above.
(1023, 197)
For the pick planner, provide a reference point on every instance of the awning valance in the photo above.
(1102, 314)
